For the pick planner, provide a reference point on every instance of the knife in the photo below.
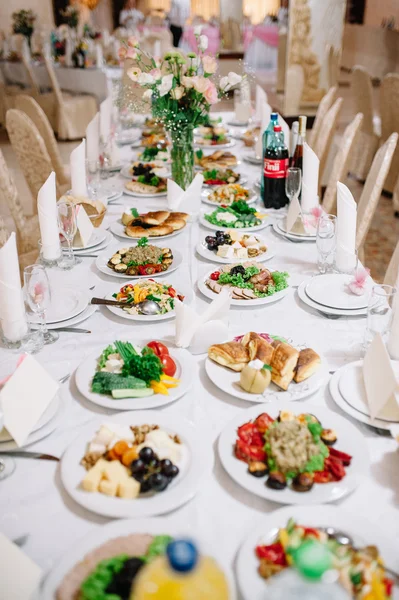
(106, 302)
(24, 454)
(73, 330)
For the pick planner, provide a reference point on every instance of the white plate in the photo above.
(241, 181)
(102, 265)
(137, 195)
(118, 229)
(253, 160)
(127, 136)
(235, 123)
(197, 461)
(65, 304)
(159, 171)
(332, 290)
(296, 237)
(204, 289)
(350, 440)
(228, 381)
(86, 370)
(324, 309)
(204, 197)
(97, 237)
(213, 257)
(88, 312)
(254, 587)
(170, 525)
(83, 251)
(208, 225)
(214, 147)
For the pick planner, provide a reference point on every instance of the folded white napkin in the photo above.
(105, 118)
(48, 221)
(310, 179)
(294, 217)
(260, 100)
(77, 162)
(18, 587)
(187, 201)
(266, 111)
(346, 226)
(68, 52)
(93, 139)
(393, 340)
(379, 378)
(12, 307)
(286, 131)
(99, 56)
(201, 331)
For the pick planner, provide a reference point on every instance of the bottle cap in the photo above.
(274, 116)
(182, 555)
(277, 128)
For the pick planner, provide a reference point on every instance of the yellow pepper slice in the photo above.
(159, 388)
(169, 378)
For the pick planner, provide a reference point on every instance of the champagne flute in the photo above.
(93, 178)
(66, 212)
(38, 296)
(293, 183)
(325, 240)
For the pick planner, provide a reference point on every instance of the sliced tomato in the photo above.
(345, 458)
(263, 422)
(246, 452)
(172, 292)
(249, 434)
(274, 554)
(310, 532)
(158, 348)
(335, 467)
(322, 477)
(168, 364)
(388, 586)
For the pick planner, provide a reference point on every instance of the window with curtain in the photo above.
(257, 10)
(205, 8)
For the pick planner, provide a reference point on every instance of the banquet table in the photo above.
(33, 501)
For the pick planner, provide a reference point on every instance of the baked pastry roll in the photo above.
(283, 364)
(156, 217)
(258, 347)
(160, 230)
(175, 222)
(180, 215)
(308, 363)
(231, 354)
(135, 231)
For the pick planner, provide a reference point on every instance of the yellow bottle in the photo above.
(181, 575)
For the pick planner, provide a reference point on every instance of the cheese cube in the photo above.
(129, 489)
(115, 471)
(234, 234)
(236, 245)
(109, 488)
(241, 253)
(225, 251)
(93, 477)
(250, 241)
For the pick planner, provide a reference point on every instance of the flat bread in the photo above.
(141, 188)
(135, 231)
(232, 355)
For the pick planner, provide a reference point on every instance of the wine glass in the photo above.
(293, 183)
(93, 178)
(66, 213)
(325, 240)
(379, 312)
(38, 296)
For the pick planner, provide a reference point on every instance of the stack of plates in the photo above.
(330, 294)
(280, 229)
(98, 241)
(68, 307)
(128, 136)
(349, 393)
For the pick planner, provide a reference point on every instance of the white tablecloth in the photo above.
(33, 501)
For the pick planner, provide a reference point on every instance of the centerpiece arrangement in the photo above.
(181, 91)
(23, 21)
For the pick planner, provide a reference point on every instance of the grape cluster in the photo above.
(152, 473)
(221, 238)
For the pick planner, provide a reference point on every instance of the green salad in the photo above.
(260, 281)
(236, 216)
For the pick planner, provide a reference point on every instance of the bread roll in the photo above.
(283, 364)
(159, 231)
(258, 347)
(231, 354)
(308, 363)
(156, 217)
(175, 223)
(135, 231)
(180, 215)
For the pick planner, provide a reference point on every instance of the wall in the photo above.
(42, 8)
(377, 10)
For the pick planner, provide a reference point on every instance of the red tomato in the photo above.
(322, 477)
(247, 452)
(215, 276)
(274, 554)
(309, 531)
(158, 348)
(250, 435)
(263, 422)
(335, 467)
(345, 458)
(172, 292)
(388, 587)
(168, 364)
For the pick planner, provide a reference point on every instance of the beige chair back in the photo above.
(362, 94)
(31, 108)
(326, 135)
(334, 64)
(293, 90)
(373, 187)
(389, 101)
(53, 79)
(391, 275)
(324, 105)
(281, 61)
(4, 235)
(225, 33)
(340, 167)
(236, 35)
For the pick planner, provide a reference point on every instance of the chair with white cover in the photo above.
(281, 61)
(326, 135)
(31, 108)
(362, 94)
(392, 272)
(25, 259)
(340, 166)
(293, 90)
(372, 189)
(31, 151)
(73, 113)
(334, 64)
(324, 105)
(389, 106)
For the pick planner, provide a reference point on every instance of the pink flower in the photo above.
(358, 284)
(200, 83)
(131, 53)
(122, 53)
(156, 73)
(187, 82)
(210, 65)
(132, 42)
(211, 94)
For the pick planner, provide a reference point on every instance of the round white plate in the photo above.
(159, 171)
(86, 370)
(66, 303)
(235, 123)
(204, 289)
(102, 265)
(112, 168)
(97, 237)
(137, 195)
(241, 181)
(119, 312)
(251, 159)
(204, 197)
(197, 461)
(283, 227)
(364, 533)
(295, 237)
(208, 225)
(332, 290)
(113, 195)
(228, 381)
(213, 257)
(325, 309)
(170, 525)
(84, 251)
(128, 136)
(214, 147)
(350, 440)
(118, 229)
(88, 312)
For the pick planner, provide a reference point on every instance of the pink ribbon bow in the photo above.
(311, 220)
(358, 284)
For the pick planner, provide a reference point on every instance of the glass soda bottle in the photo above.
(275, 167)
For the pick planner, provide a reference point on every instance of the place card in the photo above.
(379, 380)
(19, 575)
(294, 217)
(25, 396)
(84, 228)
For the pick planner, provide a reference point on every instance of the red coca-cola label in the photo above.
(275, 168)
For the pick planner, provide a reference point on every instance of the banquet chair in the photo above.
(325, 137)
(333, 64)
(281, 62)
(294, 88)
(73, 113)
(392, 272)
(340, 166)
(362, 94)
(28, 232)
(372, 189)
(324, 105)
(24, 258)
(389, 102)
(31, 108)
(31, 152)
(236, 35)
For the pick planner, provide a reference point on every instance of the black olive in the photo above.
(236, 270)
(121, 583)
(276, 481)
(303, 482)
(257, 468)
(329, 437)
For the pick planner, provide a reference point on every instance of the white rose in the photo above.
(178, 92)
(166, 85)
(234, 79)
(197, 30)
(223, 82)
(147, 95)
(145, 78)
(203, 42)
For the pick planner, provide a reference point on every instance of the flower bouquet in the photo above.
(23, 21)
(181, 91)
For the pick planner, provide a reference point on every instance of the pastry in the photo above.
(135, 231)
(180, 215)
(231, 354)
(258, 347)
(308, 363)
(283, 364)
(174, 222)
(154, 218)
(141, 188)
(160, 230)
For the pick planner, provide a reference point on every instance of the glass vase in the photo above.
(182, 155)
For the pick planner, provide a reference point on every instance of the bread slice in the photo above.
(283, 364)
(231, 354)
(308, 363)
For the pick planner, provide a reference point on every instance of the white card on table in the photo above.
(84, 228)
(25, 397)
(294, 211)
(19, 575)
(379, 378)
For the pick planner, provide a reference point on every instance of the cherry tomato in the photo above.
(263, 422)
(215, 276)
(309, 531)
(158, 348)
(388, 587)
(274, 554)
(247, 452)
(172, 292)
(322, 477)
(168, 364)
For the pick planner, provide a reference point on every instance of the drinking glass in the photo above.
(345, 262)
(325, 240)
(379, 312)
(93, 168)
(38, 296)
(242, 106)
(293, 183)
(66, 212)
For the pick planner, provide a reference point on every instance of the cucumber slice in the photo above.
(137, 393)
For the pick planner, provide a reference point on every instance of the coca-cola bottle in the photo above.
(275, 171)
